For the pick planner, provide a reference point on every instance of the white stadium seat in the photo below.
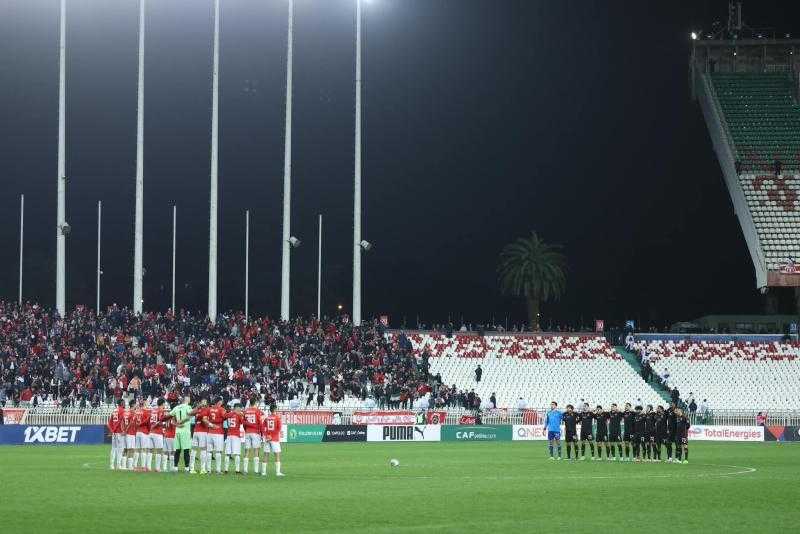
(538, 368)
(731, 375)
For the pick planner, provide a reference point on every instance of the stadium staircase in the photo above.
(633, 361)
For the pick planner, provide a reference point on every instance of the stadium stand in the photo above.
(731, 375)
(763, 121)
(762, 117)
(538, 368)
(749, 97)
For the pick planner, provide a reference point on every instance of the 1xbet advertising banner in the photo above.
(404, 433)
(476, 433)
(305, 433)
(51, 435)
(726, 433)
(345, 433)
(782, 433)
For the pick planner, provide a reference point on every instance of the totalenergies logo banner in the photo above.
(726, 433)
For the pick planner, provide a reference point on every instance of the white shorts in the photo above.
(233, 445)
(169, 445)
(199, 440)
(272, 446)
(142, 440)
(130, 441)
(156, 441)
(215, 443)
(117, 441)
(252, 441)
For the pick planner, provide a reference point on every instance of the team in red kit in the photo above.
(143, 437)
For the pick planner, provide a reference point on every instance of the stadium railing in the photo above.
(48, 415)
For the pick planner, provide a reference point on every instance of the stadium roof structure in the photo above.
(749, 92)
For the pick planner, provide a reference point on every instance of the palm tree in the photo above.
(531, 268)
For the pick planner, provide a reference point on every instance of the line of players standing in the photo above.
(640, 432)
(143, 438)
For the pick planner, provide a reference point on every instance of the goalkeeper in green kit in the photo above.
(183, 434)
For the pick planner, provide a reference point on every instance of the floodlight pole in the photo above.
(319, 271)
(99, 223)
(60, 214)
(287, 174)
(357, 181)
(246, 265)
(212, 240)
(21, 241)
(174, 230)
(138, 241)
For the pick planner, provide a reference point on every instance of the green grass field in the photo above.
(439, 487)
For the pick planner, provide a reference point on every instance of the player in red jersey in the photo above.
(169, 438)
(129, 425)
(157, 435)
(215, 439)
(252, 433)
(117, 436)
(141, 458)
(233, 442)
(271, 430)
(199, 436)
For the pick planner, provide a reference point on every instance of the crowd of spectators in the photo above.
(86, 359)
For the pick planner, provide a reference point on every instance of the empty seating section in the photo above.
(763, 121)
(762, 116)
(774, 205)
(753, 376)
(537, 368)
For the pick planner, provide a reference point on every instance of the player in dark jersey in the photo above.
(601, 436)
(681, 436)
(586, 417)
(671, 420)
(628, 417)
(570, 420)
(615, 430)
(638, 434)
(649, 433)
(661, 431)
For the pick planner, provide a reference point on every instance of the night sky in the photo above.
(483, 120)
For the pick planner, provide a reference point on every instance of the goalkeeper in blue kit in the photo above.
(552, 424)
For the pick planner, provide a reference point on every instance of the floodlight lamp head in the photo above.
(366, 245)
(294, 242)
(65, 229)
(694, 36)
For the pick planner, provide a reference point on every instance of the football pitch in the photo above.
(439, 487)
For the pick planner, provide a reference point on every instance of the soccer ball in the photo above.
(394, 462)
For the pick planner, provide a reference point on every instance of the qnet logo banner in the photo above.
(528, 433)
(726, 433)
(51, 435)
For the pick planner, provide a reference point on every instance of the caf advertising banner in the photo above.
(782, 433)
(726, 433)
(52, 435)
(476, 433)
(404, 433)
